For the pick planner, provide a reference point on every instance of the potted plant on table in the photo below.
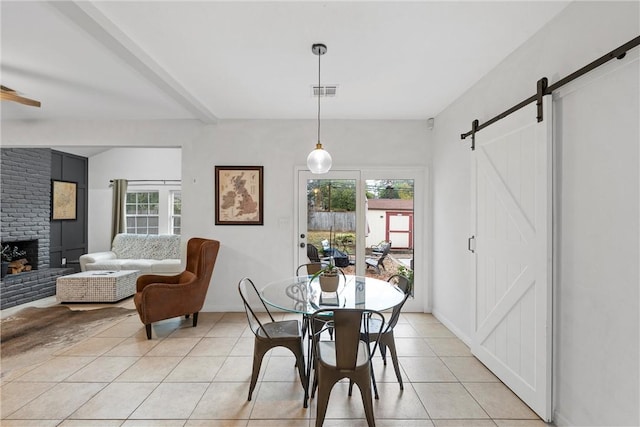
(328, 277)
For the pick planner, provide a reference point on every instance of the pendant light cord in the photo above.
(319, 89)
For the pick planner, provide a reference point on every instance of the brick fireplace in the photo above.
(25, 211)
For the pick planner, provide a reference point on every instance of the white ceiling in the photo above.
(252, 60)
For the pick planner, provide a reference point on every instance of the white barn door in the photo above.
(512, 222)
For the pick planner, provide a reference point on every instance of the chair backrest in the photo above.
(246, 288)
(312, 253)
(308, 269)
(405, 286)
(201, 256)
(346, 329)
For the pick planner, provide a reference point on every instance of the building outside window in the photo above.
(176, 211)
(142, 212)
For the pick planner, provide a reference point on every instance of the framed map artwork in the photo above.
(239, 195)
(64, 197)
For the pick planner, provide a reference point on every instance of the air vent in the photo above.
(328, 90)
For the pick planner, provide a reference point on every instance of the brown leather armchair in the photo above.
(163, 297)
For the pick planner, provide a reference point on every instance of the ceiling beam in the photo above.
(95, 23)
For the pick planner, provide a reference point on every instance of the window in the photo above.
(176, 211)
(142, 212)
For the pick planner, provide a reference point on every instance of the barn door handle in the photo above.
(471, 249)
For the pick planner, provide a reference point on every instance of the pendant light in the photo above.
(319, 160)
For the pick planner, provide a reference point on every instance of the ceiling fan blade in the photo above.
(7, 94)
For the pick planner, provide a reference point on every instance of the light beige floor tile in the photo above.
(404, 330)
(278, 423)
(209, 317)
(237, 369)
(280, 369)
(448, 400)
(224, 401)
(115, 401)
(15, 395)
(412, 347)
(464, 423)
(448, 347)
(499, 401)
(279, 400)
(94, 346)
(227, 329)
(122, 329)
(30, 423)
(213, 347)
(243, 347)
(154, 423)
(56, 369)
(188, 331)
(103, 369)
(217, 423)
(171, 401)
(174, 347)
(419, 318)
(341, 405)
(237, 317)
(386, 374)
(426, 369)
(196, 369)
(429, 330)
(403, 423)
(521, 423)
(149, 369)
(134, 346)
(164, 328)
(59, 402)
(396, 403)
(91, 423)
(469, 369)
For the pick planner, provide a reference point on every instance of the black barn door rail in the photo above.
(544, 89)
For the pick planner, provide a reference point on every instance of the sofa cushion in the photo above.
(129, 245)
(162, 247)
(167, 266)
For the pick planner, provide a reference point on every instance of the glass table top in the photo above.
(302, 294)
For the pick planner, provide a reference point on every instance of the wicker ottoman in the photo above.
(96, 286)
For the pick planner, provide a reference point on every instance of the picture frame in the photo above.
(64, 200)
(239, 195)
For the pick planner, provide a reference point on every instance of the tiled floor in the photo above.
(199, 377)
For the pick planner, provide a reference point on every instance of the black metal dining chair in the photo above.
(348, 355)
(285, 333)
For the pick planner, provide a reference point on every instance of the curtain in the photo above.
(118, 222)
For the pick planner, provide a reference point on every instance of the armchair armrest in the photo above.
(95, 257)
(150, 279)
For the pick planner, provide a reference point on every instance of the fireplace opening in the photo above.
(24, 254)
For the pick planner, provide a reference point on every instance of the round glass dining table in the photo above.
(302, 294)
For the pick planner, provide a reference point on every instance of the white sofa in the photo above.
(148, 253)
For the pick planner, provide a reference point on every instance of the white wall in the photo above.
(596, 336)
(265, 252)
(126, 163)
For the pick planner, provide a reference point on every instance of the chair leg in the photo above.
(195, 319)
(390, 342)
(186, 316)
(148, 329)
(257, 363)
(324, 391)
(383, 352)
(365, 392)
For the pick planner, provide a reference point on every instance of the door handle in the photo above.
(472, 250)
(302, 245)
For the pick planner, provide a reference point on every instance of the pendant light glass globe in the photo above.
(319, 160)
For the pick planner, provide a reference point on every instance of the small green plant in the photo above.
(406, 272)
(9, 254)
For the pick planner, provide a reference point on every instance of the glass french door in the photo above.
(328, 222)
(347, 214)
